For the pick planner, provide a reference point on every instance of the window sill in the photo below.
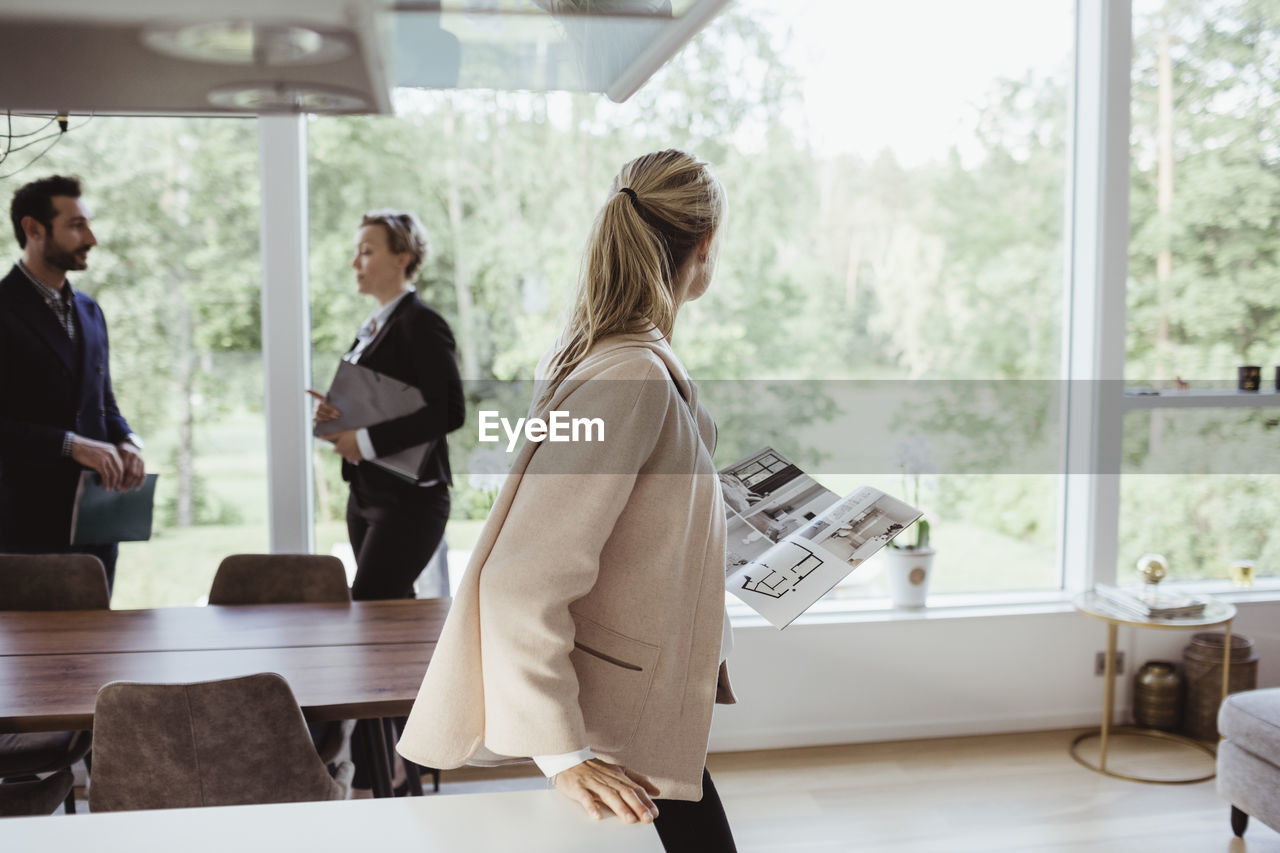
(980, 605)
(955, 606)
(1197, 398)
(1264, 589)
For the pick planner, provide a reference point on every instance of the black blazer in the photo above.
(48, 386)
(415, 346)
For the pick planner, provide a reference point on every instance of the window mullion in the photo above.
(1098, 229)
(286, 330)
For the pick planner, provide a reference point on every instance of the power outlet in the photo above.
(1100, 663)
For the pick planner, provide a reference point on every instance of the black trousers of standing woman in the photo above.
(700, 827)
(394, 536)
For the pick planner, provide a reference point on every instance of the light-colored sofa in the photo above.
(1249, 757)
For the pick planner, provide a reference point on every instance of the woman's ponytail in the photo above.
(660, 205)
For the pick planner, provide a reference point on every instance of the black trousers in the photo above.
(393, 540)
(700, 827)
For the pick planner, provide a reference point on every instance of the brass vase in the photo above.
(1157, 696)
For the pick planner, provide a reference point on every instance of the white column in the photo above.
(286, 330)
(1098, 249)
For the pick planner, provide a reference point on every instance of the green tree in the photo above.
(176, 271)
(1204, 257)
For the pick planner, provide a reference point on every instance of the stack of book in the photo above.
(1143, 603)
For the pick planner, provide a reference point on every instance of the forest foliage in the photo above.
(833, 268)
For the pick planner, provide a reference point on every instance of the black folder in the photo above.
(102, 516)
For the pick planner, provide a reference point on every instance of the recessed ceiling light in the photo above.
(245, 43)
(286, 98)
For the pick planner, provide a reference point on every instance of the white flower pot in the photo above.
(909, 574)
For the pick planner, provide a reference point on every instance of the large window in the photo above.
(891, 291)
(896, 210)
(896, 250)
(1200, 480)
(895, 235)
(176, 271)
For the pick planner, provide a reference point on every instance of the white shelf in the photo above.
(1201, 398)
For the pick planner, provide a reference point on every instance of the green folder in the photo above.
(100, 516)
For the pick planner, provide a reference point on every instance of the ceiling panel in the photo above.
(93, 55)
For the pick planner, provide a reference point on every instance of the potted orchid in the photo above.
(909, 557)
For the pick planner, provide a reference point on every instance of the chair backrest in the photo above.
(53, 582)
(208, 743)
(279, 579)
(36, 797)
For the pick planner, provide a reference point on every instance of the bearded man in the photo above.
(58, 414)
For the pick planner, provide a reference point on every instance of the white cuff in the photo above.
(365, 443)
(550, 765)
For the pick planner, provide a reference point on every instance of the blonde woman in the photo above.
(589, 631)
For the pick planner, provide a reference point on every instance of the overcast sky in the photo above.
(907, 74)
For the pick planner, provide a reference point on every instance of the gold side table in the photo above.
(1091, 604)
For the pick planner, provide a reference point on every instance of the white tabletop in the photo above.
(526, 821)
(1215, 613)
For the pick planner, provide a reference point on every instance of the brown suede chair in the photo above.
(287, 579)
(290, 579)
(209, 743)
(38, 797)
(48, 582)
(279, 579)
(53, 582)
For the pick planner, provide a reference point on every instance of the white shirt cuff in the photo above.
(726, 637)
(550, 765)
(365, 443)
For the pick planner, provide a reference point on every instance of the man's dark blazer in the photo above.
(416, 347)
(48, 386)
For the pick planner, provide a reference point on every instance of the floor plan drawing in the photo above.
(777, 582)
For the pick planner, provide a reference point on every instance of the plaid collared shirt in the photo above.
(62, 304)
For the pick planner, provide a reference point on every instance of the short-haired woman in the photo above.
(395, 524)
(589, 630)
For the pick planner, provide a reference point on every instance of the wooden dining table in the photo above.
(362, 660)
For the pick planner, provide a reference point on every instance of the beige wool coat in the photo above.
(591, 612)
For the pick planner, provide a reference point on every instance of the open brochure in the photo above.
(790, 539)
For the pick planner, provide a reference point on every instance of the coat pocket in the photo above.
(615, 674)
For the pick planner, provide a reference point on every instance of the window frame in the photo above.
(1096, 240)
(286, 332)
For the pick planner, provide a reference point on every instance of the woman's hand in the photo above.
(324, 412)
(595, 783)
(345, 445)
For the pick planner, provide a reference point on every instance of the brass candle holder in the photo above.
(1152, 568)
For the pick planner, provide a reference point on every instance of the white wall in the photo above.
(941, 674)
